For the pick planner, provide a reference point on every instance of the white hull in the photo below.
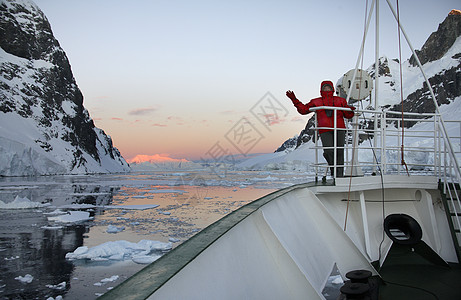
(287, 248)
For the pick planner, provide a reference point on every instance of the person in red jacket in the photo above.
(325, 122)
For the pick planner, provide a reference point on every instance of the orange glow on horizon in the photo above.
(140, 158)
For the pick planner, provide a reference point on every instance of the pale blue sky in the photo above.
(173, 77)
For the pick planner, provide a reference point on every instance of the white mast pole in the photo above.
(376, 54)
(362, 47)
(375, 140)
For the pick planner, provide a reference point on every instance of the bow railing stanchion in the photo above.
(335, 146)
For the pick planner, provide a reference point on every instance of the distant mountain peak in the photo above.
(440, 41)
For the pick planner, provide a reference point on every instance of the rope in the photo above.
(402, 158)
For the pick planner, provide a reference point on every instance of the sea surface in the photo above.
(168, 206)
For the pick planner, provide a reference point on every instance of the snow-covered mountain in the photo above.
(440, 57)
(44, 127)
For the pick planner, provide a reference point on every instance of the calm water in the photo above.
(188, 201)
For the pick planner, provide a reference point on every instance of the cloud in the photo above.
(174, 118)
(142, 111)
(273, 119)
(159, 125)
(140, 158)
(116, 119)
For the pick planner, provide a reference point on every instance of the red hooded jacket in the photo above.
(327, 99)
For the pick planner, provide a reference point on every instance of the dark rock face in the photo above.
(30, 40)
(446, 86)
(288, 144)
(440, 41)
(37, 84)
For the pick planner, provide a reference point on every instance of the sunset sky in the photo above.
(200, 79)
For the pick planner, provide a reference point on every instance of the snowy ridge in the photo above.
(44, 128)
(413, 78)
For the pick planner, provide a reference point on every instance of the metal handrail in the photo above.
(386, 150)
(440, 156)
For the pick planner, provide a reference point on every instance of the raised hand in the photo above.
(291, 95)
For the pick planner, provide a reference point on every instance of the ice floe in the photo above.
(71, 217)
(145, 259)
(21, 203)
(134, 206)
(25, 279)
(121, 250)
(114, 229)
(106, 280)
(60, 286)
(166, 191)
(88, 206)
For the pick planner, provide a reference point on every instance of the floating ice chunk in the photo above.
(11, 258)
(57, 298)
(51, 227)
(72, 217)
(173, 240)
(78, 206)
(106, 280)
(26, 279)
(110, 279)
(60, 286)
(167, 191)
(179, 174)
(115, 229)
(138, 207)
(89, 194)
(145, 259)
(337, 280)
(21, 203)
(55, 212)
(88, 206)
(118, 250)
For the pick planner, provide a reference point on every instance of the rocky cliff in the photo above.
(44, 127)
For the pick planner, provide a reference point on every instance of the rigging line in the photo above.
(443, 128)
(355, 132)
(402, 158)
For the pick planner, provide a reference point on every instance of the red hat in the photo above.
(327, 82)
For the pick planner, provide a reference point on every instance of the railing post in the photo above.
(316, 136)
(383, 143)
(335, 143)
(353, 168)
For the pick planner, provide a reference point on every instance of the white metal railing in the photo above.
(379, 144)
(374, 145)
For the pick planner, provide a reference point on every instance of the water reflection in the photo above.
(31, 244)
(27, 248)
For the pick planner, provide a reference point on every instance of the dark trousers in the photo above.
(328, 141)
